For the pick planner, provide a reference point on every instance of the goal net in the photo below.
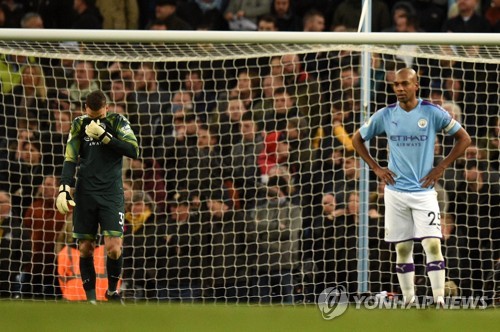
(247, 186)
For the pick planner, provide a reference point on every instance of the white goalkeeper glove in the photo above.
(97, 132)
(63, 199)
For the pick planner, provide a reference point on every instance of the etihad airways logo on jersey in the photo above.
(409, 140)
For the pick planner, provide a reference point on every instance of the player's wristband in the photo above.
(64, 188)
(105, 137)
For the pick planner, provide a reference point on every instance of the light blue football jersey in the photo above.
(411, 136)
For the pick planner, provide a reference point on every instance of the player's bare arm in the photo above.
(382, 173)
(462, 141)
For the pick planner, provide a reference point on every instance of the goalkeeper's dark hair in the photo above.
(95, 100)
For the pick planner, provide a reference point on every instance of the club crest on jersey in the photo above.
(422, 123)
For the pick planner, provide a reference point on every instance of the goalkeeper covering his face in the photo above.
(97, 143)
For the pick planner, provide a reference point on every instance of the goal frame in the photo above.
(247, 37)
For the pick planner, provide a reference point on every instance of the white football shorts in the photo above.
(411, 215)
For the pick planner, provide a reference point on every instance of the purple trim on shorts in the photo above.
(415, 239)
(405, 267)
(435, 266)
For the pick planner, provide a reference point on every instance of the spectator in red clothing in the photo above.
(43, 222)
(275, 154)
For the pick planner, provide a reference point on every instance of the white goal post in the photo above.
(274, 257)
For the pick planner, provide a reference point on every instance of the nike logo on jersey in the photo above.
(394, 123)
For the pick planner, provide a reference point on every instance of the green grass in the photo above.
(74, 317)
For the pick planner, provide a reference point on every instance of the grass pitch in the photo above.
(74, 317)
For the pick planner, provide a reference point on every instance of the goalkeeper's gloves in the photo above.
(97, 132)
(63, 199)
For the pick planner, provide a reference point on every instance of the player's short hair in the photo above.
(95, 100)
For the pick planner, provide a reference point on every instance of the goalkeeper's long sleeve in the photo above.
(68, 173)
(124, 148)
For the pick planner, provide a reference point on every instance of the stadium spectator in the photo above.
(267, 23)
(180, 278)
(313, 21)
(403, 16)
(84, 82)
(243, 162)
(278, 224)
(305, 89)
(477, 214)
(243, 15)
(29, 103)
(13, 11)
(147, 108)
(157, 25)
(203, 14)
(492, 13)
(181, 100)
(32, 20)
(283, 109)
(348, 14)
(87, 15)
(119, 14)
(265, 103)
(434, 12)
(275, 154)
(144, 248)
(10, 247)
(22, 172)
(228, 123)
(246, 88)
(179, 145)
(467, 20)
(286, 17)
(204, 100)
(119, 91)
(206, 169)
(165, 11)
(54, 137)
(10, 70)
(229, 250)
(43, 223)
(492, 143)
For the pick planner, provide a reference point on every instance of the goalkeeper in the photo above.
(97, 143)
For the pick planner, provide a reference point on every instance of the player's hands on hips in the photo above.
(385, 175)
(432, 178)
(64, 199)
(94, 130)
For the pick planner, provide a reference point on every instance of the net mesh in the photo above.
(247, 185)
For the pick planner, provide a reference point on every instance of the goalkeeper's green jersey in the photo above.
(100, 165)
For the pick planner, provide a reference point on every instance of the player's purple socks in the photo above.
(405, 267)
(435, 266)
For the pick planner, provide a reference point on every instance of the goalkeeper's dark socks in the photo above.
(114, 270)
(87, 272)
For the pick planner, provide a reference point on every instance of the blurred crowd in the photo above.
(247, 184)
(277, 15)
